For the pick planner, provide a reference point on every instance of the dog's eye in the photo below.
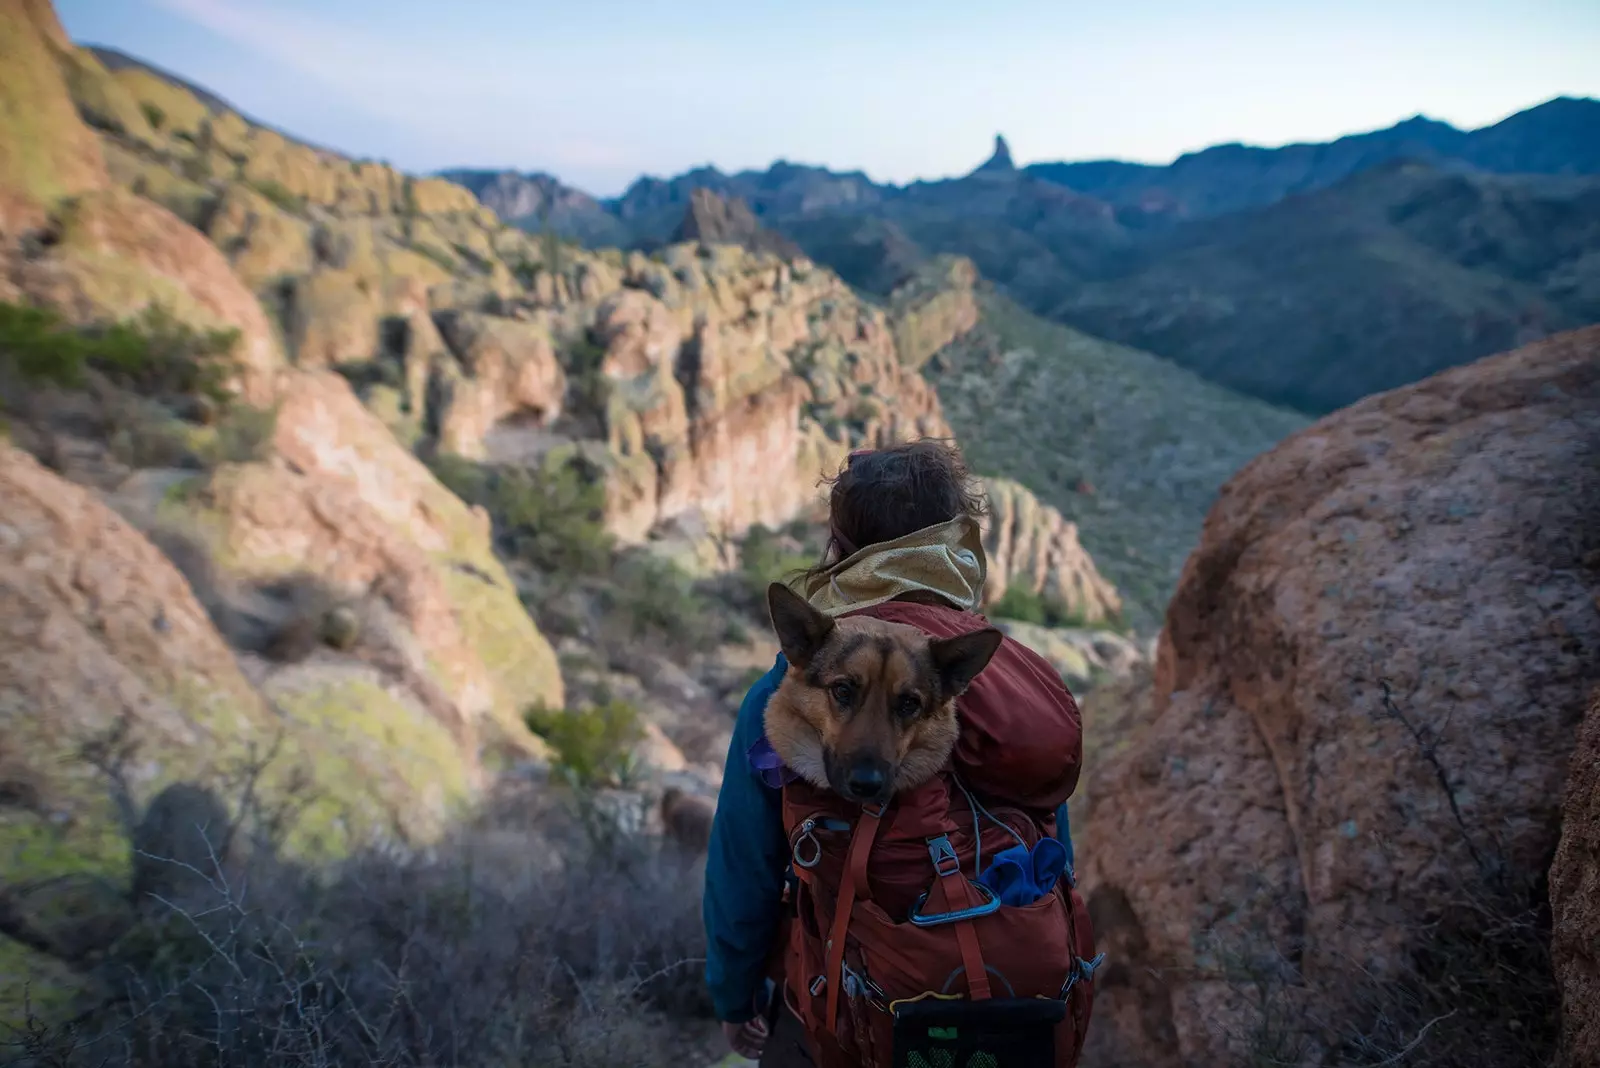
(909, 707)
(843, 692)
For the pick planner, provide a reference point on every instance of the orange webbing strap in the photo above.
(966, 935)
(855, 874)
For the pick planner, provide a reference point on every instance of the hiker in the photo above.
(904, 547)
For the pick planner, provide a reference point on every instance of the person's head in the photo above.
(884, 494)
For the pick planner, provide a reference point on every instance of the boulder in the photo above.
(1575, 899)
(1366, 696)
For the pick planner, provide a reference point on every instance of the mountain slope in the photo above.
(1395, 273)
(1128, 446)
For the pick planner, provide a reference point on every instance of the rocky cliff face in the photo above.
(723, 381)
(1575, 899)
(1367, 693)
(361, 596)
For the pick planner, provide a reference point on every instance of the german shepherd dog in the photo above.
(867, 707)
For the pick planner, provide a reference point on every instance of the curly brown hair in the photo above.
(884, 494)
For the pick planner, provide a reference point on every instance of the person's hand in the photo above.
(747, 1039)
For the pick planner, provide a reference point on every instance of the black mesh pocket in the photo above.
(993, 1033)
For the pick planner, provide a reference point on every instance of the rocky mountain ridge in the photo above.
(1197, 260)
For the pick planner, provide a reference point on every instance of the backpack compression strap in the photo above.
(855, 874)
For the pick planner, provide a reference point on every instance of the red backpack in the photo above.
(896, 957)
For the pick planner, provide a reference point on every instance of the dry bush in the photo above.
(522, 938)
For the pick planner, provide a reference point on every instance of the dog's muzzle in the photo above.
(865, 779)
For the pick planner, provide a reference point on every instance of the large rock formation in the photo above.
(1367, 692)
(1575, 899)
(114, 677)
(718, 220)
(723, 380)
(1034, 548)
(736, 381)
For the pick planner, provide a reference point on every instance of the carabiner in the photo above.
(805, 833)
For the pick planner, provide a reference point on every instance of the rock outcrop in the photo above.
(112, 671)
(1367, 691)
(718, 220)
(1033, 547)
(1575, 899)
(934, 308)
(723, 380)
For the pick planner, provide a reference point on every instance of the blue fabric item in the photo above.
(1019, 877)
(747, 861)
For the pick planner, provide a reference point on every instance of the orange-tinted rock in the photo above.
(1279, 810)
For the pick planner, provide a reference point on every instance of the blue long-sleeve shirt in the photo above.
(746, 864)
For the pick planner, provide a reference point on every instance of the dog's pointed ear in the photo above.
(801, 629)
(958, 660)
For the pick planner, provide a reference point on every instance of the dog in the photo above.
(686, 819)
(867, 707)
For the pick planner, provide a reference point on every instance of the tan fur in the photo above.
(883, 664)
(686, 818)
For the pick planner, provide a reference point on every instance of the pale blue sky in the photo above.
(600, 91)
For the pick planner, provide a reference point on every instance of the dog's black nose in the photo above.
(866, 780)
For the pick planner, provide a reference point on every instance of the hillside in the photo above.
(1308, 275)
(1392, 274)
(1131, 447)
(397, 546)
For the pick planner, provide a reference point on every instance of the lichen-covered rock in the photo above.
(263, 242)
(352, 507)
(509, 368)
(102, 639)
(934, 308)
(1033, 547)
(46, 153)
(1575, 899)
(1367, 692)
(1084, 657)
(335, 317)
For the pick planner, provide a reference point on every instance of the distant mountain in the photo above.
(1310, 274)
(532, 200)
(1392, 274)
(1561, 136)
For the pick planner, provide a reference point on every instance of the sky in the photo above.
(599, 92)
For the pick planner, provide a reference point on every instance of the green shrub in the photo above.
(586, 378)
(153, 115)
(1025, 606)
(145, 436)
(437, 255)
(243, 435)
(656, 600)
(763, 560)
(154, 354)
(36, 347)
(548, 517)
(593, 746)
(293, 203)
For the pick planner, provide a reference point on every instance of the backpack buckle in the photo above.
(943, 855)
